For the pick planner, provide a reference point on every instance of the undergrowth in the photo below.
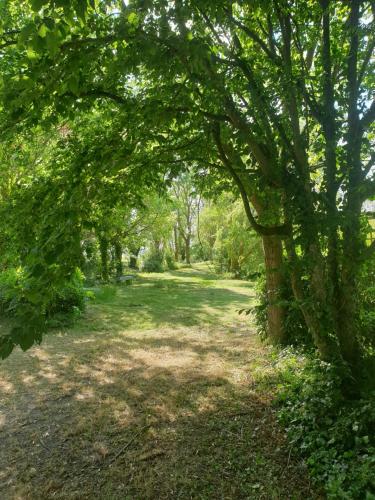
(64, 303)
(336, 437)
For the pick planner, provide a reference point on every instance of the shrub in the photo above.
(153, 263)
(260, 310)
(335, 436)
(170, 262)
(70, 298)
(367, 313)
(11, 285)
(15, 296)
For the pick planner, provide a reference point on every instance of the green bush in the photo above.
(153, 263)
(170, 262)
(15, 296)
(260, 310)
(335, 436)
(367, 313)
(34, 306)
(70, 298)
(11, 285)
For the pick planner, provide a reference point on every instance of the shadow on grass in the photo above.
(166, 302)
(136, 403)
(151, 418)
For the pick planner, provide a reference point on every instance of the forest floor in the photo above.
(159, 391)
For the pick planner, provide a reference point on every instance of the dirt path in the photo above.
(152, 395)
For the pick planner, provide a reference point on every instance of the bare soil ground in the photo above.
(153, 394)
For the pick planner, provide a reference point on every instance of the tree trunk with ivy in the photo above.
(118, 256)
(273, 261)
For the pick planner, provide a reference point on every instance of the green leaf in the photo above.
(81, 9)
(36, 5)
(42, 31)
(6, 346)
(37, 270)
(62, 3)
(53, 42)
(133, 19)
(26, 33)
(73, 84)
(22, 337)
(31, 54)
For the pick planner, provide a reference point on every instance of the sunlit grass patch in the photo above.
(152, 394)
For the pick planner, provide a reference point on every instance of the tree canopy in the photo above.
(273, 100)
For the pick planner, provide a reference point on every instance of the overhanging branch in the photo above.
(283, 230)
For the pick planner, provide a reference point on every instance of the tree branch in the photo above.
(8, 43)
(369, 165)
(260, 229)
(253, 35)
(369, 53)
(368, 117)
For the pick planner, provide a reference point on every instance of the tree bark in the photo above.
(133, 258)
(314, 305)
(348, 331)
(273, 259)
(187, 250)
(118, 256)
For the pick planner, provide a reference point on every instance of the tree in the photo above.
(276, 96)
(225, 239)
(187, 205)
(74, 186)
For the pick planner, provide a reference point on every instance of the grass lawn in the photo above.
(153, 394)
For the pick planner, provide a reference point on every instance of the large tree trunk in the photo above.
(182, 251)
(348, 309)
(273, 259)
(348, 323)
(118, 257)
(348, 331)
(187, 250)
(312, 300)
(133, 264)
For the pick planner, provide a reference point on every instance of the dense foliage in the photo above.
(275, 99)
(223, 237)
(161, 131)
(336, 437)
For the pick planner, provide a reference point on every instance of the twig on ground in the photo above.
(150, 455)
(287, 464)
(43, 444)
(124, 448)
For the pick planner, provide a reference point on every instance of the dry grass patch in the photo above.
(151, 395)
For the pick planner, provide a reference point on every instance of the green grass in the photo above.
(152, 394)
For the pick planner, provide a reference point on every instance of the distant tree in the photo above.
(186, 202)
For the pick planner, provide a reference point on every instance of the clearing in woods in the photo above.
(153, 394)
